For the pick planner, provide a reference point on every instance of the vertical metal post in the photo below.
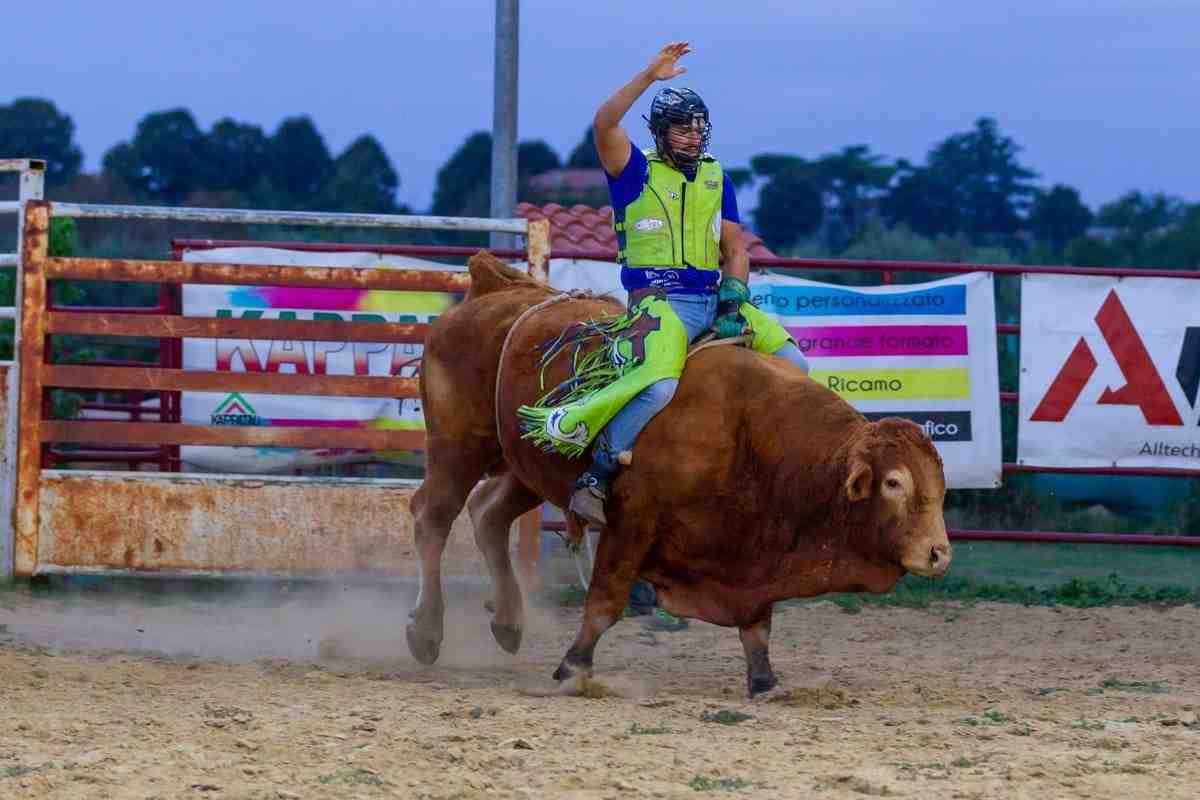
(31, 186)
(538, 249)
(529, 548)
(504, 120)
(35, 241)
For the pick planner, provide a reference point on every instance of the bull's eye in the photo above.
(892, 483)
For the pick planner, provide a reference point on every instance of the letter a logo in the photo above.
(1143, 387)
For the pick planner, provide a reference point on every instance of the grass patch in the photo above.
(703, 783)
(1088, 724)
(651, 730)
(1046, 574)
(724, 717)
(355, 776)
(989, 717)
(1146, 687)
(962, 762)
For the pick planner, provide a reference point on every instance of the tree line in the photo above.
(971, 195)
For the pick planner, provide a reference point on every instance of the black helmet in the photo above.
(678, 107)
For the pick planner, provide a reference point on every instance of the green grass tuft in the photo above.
(724, 717)
(703, 783)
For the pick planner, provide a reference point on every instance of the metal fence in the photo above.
(66, 521)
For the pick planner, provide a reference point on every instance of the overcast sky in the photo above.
(1103, 95)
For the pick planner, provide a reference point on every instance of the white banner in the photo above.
(922, 351)
(1109, 372)
(318, 358)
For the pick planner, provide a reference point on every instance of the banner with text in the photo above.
(316, 358)
(1109, 372)
(926, 352)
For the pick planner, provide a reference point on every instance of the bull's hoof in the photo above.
(760, 685)
(567, 671)
(424, 647)
(507, 636)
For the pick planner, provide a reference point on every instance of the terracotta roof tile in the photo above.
(582, 227)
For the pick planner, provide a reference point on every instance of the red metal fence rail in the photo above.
(887, 270)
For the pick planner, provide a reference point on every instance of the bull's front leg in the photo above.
(755, 637)
(618, 558)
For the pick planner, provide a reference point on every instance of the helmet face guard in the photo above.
(679, 108)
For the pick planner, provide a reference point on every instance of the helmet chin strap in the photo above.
(686, 164)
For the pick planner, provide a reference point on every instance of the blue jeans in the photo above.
(697, 312)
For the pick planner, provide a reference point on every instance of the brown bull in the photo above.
(756, 484)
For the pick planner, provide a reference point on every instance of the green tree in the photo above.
(361, 179)
(1139, 230)
(1178, 246)
(299, 162)
(852, 179)
(463, 182)
(238, 155)
(585, 156)
(534, 158)
(167, 158)
(768, 165)
(1058, 216)
(1135, 215)
(34, 128)
(971, 183)
(790, 207)
(740, 176)
(1093, 251)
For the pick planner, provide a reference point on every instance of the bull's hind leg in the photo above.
(453, 469)
(755, 638)
(494, 505)
(618, 558)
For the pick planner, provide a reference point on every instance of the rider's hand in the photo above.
(730, 296)
(663, 67)
(727, 326)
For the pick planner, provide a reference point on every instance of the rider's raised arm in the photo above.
(612, 143)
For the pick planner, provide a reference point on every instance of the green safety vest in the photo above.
(674, 222)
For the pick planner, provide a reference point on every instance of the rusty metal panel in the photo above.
(31, 352)
(169, 325)
(266, 217)
(96, 432)
(8, 466)
(200, 272)
(539, 249)
(155, 379)
(162, 522)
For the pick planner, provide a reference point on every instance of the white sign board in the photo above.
(1109, 372)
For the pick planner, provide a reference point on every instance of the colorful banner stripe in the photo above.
(881, 340)
(897, 384)
(830, 301)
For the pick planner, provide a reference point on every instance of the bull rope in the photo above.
(549, 301)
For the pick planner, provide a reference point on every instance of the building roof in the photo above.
(581, 227)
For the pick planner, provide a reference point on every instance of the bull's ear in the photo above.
(858, 484)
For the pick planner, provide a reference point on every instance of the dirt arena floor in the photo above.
(299, 694)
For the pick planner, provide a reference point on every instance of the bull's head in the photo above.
(895, 468)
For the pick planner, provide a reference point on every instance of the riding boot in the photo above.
(590, 496)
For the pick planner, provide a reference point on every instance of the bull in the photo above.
(755, 485)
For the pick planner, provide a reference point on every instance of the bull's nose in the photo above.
(939, 558)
